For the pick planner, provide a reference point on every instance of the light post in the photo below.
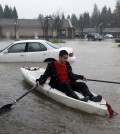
(95, 28)
(101, 28)
(82, 28)
(15, 28)
(46, 26)
(108, 25)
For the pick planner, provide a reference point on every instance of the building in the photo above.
(114, 31)
(32, 28)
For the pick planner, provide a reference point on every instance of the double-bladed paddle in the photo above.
(8, 106)
(114, 82)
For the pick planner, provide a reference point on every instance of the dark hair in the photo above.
(62, 53)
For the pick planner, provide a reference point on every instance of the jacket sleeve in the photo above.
(46, 75)
(76, 76)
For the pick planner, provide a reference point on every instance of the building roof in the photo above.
(29, 23)
(106, 30)
(111, 30)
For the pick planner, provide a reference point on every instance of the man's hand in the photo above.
(37, 84)
(84, 78)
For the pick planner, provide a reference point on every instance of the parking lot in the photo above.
(36, 113)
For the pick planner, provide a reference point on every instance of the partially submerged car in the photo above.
(93, 36)
(33, 51)
(108, 36)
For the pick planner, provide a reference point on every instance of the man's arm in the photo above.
(76, 76)
(44, 77)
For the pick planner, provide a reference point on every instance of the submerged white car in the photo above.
(108, 36)
(33, 51)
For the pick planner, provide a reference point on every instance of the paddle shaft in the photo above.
(8, 106)
(104, 81)
(24, 95)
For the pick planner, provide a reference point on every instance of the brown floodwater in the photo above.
(38, 114)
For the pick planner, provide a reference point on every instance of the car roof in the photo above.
(93, 33)
(21, 41)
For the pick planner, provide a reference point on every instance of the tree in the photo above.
(109, 18)
(104, 16)
(117, 13)
(74, 20)
(58, 21)
(41, 21)
(86, 19)
(1, 12)
(95, 18)
(63, 16)
(81, 24)
(14, 13)
(1, 16)
(11, 13)
(68, 17)
(7, 12)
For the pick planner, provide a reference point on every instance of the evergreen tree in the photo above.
(14, 13)
(104, 16)
(109, 18)
(7, 12)
(68, 17)
(63, 16)
(95, 18)
(81, 24)
(74, 20)
(1, 12)
(11, 12)
(86, 19)
(117, 13)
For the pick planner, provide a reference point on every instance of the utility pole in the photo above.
(15, 28)
(46, 22)
(101, 28)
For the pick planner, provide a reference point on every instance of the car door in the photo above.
(15, 53)
(36, 52)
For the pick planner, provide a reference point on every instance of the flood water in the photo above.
(37, 114)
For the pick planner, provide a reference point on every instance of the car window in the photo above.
(34, 47)
(43, 48)
(17, 48)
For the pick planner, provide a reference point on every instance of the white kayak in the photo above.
(33, 73)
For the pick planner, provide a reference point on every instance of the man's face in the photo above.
(63, 59)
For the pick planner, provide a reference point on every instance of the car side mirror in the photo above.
(5, 51)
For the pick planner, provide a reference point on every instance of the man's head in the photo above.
(63, 56)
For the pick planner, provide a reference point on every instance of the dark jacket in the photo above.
(51, 72)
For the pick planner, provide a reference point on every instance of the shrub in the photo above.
(117, 40)
(119, 45)
(57, 41)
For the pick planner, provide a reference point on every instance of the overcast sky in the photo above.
(31, 8)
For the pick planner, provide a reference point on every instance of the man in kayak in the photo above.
(63, 79)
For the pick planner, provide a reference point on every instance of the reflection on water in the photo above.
(36, 113)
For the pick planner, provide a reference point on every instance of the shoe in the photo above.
(97, 98)
(85, 99)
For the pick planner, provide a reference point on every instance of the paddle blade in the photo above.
(5, 107)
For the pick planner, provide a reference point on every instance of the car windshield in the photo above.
(52, 45)
(97, 34)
